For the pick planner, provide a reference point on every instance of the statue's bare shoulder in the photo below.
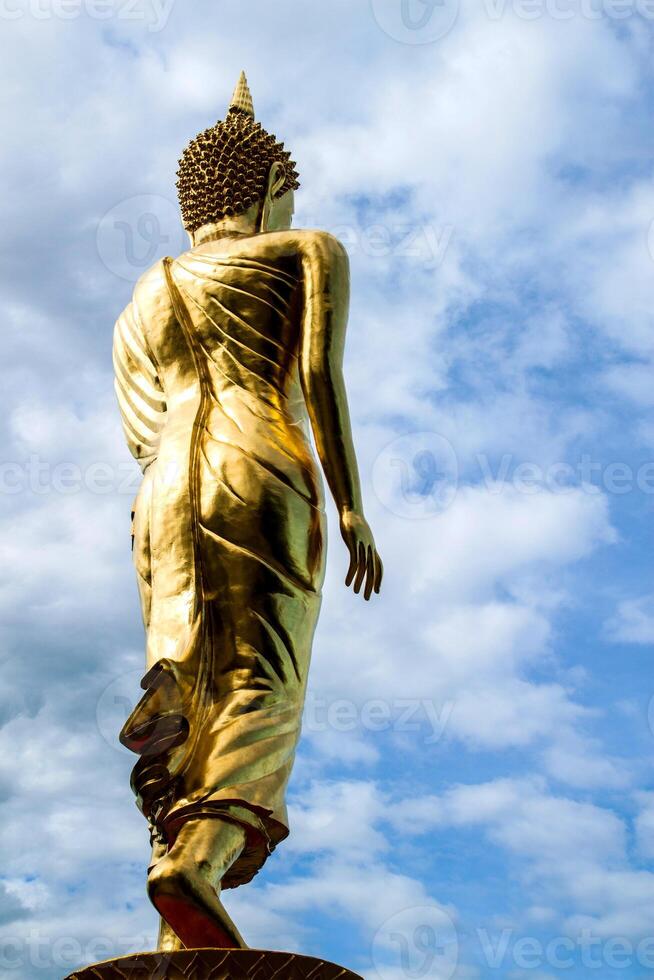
(302, 243)
(152, 299)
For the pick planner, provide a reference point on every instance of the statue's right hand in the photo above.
(365, 563)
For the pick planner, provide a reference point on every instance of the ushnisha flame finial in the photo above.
(242, 98)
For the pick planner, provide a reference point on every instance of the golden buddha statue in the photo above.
(222, 359)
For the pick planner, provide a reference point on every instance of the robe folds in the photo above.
(229, 533)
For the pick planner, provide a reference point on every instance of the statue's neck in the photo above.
(241, 224)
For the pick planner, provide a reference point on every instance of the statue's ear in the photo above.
(276, 179)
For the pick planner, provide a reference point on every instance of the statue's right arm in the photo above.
(138, 389)
(326, 287)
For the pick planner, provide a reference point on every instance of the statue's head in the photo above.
(234, 167)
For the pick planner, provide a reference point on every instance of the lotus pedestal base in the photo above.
(214, 964)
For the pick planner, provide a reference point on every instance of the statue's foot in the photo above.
(195, 915)
(184, 886)
(169, 941)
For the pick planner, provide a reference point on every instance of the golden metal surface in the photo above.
(225, 360)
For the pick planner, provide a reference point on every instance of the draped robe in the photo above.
(229, 537)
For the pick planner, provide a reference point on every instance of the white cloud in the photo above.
(580, 762)
(645, 824)
(633, 622)
(473, 644)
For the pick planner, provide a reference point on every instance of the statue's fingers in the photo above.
(352, 548)
(361, 568)
(370, 573)
(379, 572)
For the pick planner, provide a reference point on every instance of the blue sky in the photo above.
(473, 797)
